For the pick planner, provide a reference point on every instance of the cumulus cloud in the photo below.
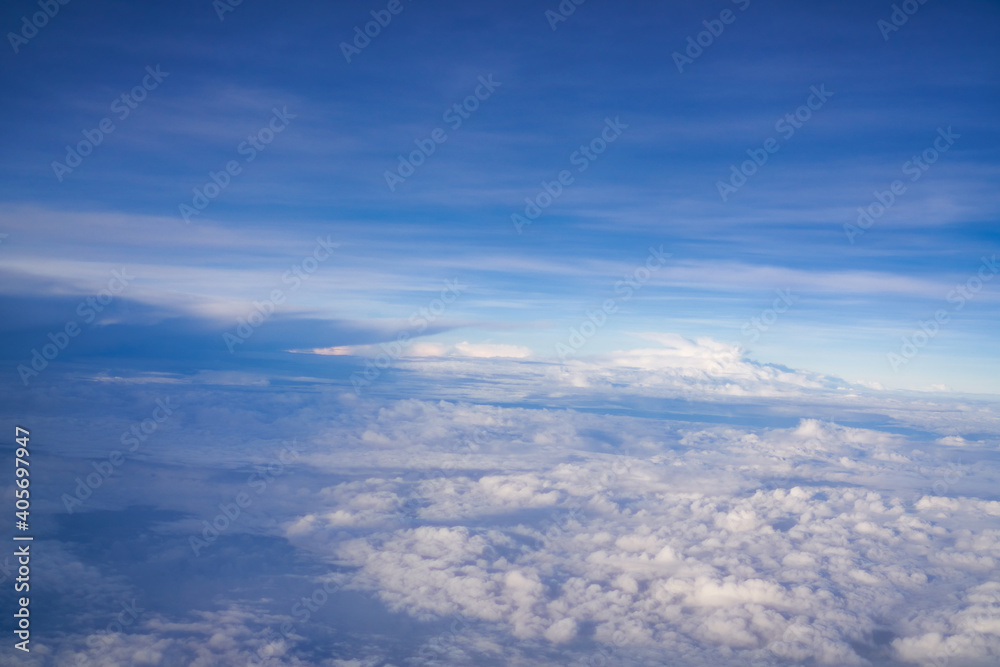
(556, 528)
(233, 636)
(718, 543)
(430, 349)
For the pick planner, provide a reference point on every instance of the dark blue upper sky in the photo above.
(656, 183)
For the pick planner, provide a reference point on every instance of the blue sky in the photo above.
(656, 184)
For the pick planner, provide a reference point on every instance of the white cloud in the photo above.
(421, 349)
(555, 534)
(717, 543)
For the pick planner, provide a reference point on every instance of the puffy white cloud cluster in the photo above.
(233, 636)
(714, 545)
(674, 367)
(426, 349)
(777, 518)
(679, 365)
(798, 575)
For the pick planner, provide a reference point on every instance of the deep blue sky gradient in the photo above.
(656, 185)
